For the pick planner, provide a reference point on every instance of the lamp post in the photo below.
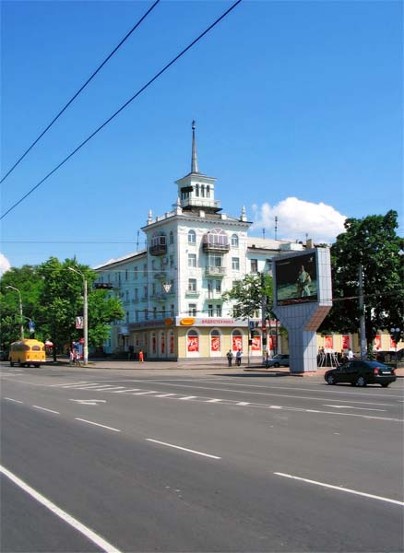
(85, 314)
(21, 316)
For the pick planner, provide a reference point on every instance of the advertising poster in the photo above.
(256, 343)
(346, 343)
(193, 343)
(377, 342)
(296, 279)
(171, 341)
(237, 343)
(328, 343)
(215, 343)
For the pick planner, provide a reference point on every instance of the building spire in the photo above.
(194, 161)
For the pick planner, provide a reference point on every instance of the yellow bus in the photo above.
(26, 353)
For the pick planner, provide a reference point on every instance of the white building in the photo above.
(172, 291)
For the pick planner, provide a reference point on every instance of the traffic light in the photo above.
(103, 285)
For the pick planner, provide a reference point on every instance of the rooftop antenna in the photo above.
(276, 228)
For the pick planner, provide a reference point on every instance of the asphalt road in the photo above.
(111, 460)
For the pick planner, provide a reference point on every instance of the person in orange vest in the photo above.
(141, 356)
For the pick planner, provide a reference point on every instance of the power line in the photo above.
(80, 90)
(125, 105)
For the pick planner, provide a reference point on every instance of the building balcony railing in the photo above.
(215, 248)
(212, 270)
(158, 249)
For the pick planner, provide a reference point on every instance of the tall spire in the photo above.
(194, 162)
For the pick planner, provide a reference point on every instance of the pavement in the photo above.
(208, 366)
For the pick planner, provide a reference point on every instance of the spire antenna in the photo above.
(194, 161)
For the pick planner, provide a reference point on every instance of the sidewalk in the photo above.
(206, 366)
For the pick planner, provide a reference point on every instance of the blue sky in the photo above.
(298, 107)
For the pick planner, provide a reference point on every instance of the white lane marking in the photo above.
(45, 409)
(341, 489)
(215, 401)
(187, 397)
(350, 407)
(183, 448)
(144, 393)
(14, 400)
(275, 407)
(87, 532)
(80, 383)
(127, 390)
(243, 403)
(89, 401)
(165, 395)
(97, 424)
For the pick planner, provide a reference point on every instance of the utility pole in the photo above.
(362, 327)
(21, 315)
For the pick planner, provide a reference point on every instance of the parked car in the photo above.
(279, 360)
(3, 355)
(360, 373)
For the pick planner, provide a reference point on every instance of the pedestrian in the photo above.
(229, 356)
(71, 356)
(266, 358)
(141, 356)
(350, 354)
(238, 357)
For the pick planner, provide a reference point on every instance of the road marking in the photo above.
(144, 393)
(97, 424)
(350, 407)
(341, 489)
(214, 400)
(87, 532)
(14, 400)
(127, 390)
(82, 383)
(165, 395)
(187, 397)
(183, 448)
(45, 409)
(243, 403)
(89, 401)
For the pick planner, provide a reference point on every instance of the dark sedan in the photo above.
(361, 373)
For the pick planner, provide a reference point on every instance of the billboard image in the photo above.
(296, 279)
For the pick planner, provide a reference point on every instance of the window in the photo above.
(218, 286)
(154, 312)
(135, 273)
(208, 191)
(153, 264)
(192, 309)
(254, 265)
(191, 237)
(136, 294)
(216, 237)
(235, 263)
(126, 274)
(192, 260)
(215, 260)
(218, 310)
(172, 310)
(210, 310)
(171, 237)
(146, 314)
(234, 241)
(192, 285)
(171, 261)
(136, 315)
(197, 190)
(145, 269)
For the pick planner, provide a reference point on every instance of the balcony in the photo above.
(212, 270)
(158, 249)
(215, 242)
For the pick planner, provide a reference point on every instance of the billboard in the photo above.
(296, 279)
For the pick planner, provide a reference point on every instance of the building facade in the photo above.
(172, 290)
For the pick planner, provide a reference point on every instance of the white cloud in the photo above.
(5, 265)
(298, 218)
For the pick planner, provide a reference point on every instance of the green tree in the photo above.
(248, 294)
(373, 243)
(52, 296)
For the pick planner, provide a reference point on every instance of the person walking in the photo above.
(141, 356)
(229, 356)
(238, 357)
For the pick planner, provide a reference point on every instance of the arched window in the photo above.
(236, 340)
(191, 237)
(215, 342)
(234, 241)
(192, 342)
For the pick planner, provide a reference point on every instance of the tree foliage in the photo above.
(249, 294)
(373, 243)
(52, 296)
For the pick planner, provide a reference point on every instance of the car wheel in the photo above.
(385, 384)
(361, 382)
(330, 379)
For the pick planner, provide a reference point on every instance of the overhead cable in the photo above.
(125, 105)
(80, 90)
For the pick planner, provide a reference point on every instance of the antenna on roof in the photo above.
(276, 228)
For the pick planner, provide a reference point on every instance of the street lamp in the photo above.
(21, 316)
(85, 314)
